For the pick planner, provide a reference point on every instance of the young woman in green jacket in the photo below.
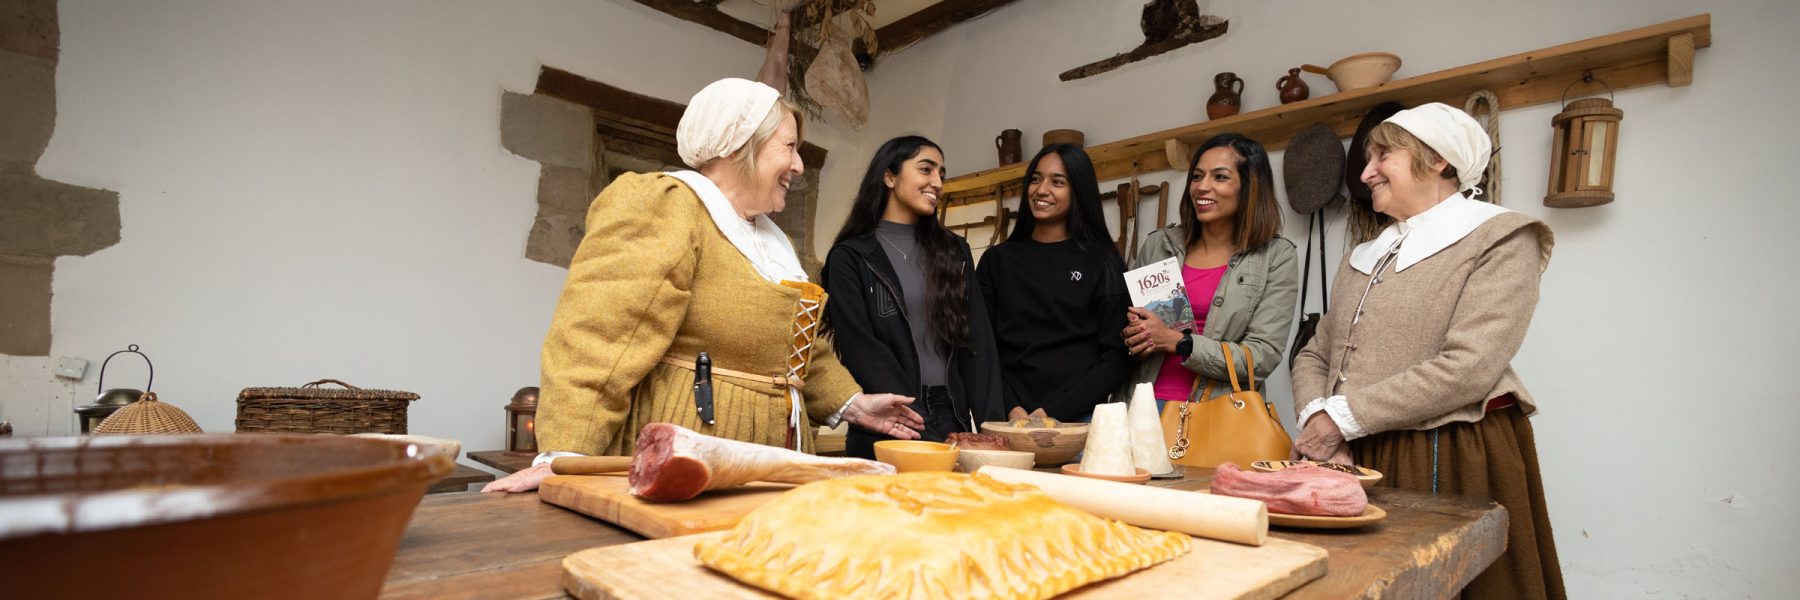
(1239, 274)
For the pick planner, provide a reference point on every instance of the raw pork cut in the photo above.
(674, 463)
(1302, 489)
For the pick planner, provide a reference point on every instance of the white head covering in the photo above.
(721, 118)
(1453, 134)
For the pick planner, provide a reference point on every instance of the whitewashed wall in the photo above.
(1658, 348)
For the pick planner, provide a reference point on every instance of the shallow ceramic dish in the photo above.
(1365, 476)
(1371, 514)
(450, 448)
(1051, 445)
(916, 455)
(969, 460)
(216, 515)
(1138, 474)
(1359, 71)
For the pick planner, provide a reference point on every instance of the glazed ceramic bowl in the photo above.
(970, 460)
(209, 515)
(916, 455)
(449, 447)
(1359, 71)
(1051, 445)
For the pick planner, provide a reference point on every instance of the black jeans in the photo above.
(932, 404)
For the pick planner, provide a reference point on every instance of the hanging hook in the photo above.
(1587, 77)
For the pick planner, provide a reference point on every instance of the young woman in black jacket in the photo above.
(1056, 293)
(904, 308)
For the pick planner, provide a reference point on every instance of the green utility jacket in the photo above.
(1254, 306)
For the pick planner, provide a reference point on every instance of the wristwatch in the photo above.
(1186, 345)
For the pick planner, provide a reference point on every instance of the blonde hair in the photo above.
(744, 159)
(1388, 136)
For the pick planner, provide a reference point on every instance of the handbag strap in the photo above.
(1231, 366)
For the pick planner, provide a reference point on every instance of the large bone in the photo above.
(673, 463)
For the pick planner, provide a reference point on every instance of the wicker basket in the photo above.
(148, 415)
(313, 409)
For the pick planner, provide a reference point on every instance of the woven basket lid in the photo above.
(147, 415)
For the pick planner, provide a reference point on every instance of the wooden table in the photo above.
(511, 546)
(459, 480)
(500, 459)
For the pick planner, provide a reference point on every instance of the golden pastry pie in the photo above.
(929, 535)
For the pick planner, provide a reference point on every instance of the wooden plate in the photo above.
(1139, 475)
(1370, 515)
(1367, 478)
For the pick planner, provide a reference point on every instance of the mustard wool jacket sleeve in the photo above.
(627, 293)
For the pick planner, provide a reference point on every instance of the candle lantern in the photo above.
(1583, 149)
(521, 422)
(110, 401)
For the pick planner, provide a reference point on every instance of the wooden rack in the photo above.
(1662, 53)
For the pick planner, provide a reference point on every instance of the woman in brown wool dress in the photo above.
(1411, 375)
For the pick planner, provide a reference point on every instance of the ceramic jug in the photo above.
(1227, 97)
(1292, 88)
(1009, 146)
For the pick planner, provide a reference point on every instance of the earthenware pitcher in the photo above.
(1008, 143)
(1226, 99)
(1292, 88)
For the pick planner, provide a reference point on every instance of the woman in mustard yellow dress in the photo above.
(674, 264)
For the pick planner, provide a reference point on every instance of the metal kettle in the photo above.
(109, 401)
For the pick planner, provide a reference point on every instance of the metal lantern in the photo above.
(110, 401)
(521, 422)
(1583, 148)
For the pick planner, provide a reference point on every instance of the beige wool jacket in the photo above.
(1435, 341)
(654, 277)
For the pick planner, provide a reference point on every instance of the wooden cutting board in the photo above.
(1212, 569)
(608, 498)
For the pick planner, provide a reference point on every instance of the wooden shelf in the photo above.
(1662, 53)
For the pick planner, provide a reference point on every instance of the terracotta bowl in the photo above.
(916, 455)
(209, 515)
(970, 460)
(1051, 445)
(450, 448)
(1359, 71)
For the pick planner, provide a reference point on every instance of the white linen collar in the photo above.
(766, 247)
(1425, 234)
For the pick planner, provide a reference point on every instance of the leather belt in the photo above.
(717, 370)
(1502, 401)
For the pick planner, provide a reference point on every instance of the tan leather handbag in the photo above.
(1236, 426)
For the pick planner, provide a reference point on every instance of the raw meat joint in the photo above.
(1302, 489)
(929, 535)
(674, 463)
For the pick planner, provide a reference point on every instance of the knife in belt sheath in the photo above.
(703, 400)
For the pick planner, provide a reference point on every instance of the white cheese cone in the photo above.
(1108, 450)
(1148, 449)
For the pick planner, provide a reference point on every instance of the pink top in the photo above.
(1173, 381)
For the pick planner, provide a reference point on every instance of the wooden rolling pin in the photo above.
(1217, 517)
(589, 465)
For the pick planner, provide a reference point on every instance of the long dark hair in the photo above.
(1086, 223)
(946, 289)
(1258, 219)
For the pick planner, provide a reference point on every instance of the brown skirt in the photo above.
(1494, 458)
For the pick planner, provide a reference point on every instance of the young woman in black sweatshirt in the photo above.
(1056, 294)
(903, 305)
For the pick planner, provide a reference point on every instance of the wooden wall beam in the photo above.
(929, 20)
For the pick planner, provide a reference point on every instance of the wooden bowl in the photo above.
(1366, 476)
(1359, 71)
(1051, 445)
(909, 456)
(969, 459)
(217, 515)
(1139, 475)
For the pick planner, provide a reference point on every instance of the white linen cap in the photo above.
(721, 118)
(1453, 134)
